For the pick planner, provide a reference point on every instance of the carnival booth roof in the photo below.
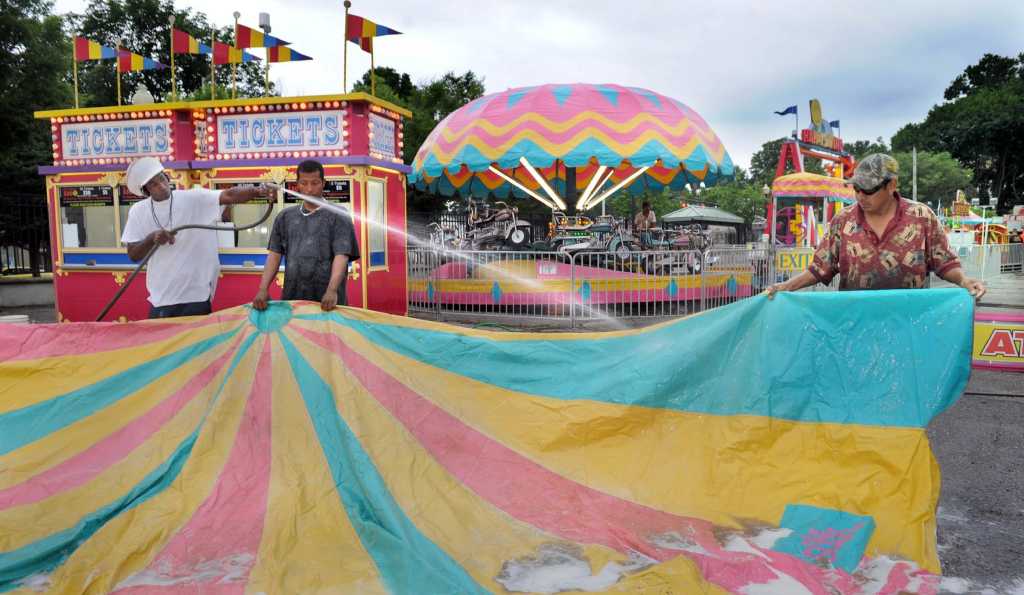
(807, 184)
(594, 128)
(701, 213)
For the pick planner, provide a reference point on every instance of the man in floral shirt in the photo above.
(882, 242)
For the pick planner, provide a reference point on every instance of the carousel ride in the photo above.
(570, 148)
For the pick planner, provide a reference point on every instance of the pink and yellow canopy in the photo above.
(812, 185)
(581, 126)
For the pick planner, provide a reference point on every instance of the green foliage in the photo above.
(35, 60)
(981, 125)
(144, 28)
(744, 200)
(766, 159)
(626, 205)
(939, 176)
(862, 148)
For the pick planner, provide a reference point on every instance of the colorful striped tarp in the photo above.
(251, 38)
(575, 125)
(90, 50)
(132, 62)
(183, 43)
(766, 446)
(285, 54)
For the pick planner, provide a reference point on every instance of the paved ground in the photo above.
(979, 443)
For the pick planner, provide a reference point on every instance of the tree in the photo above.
(743, 200)
(625, 205)
(862, 148)
(939, 176)
(766, 159)
(143, 26)
(35, 60)
(981, 124)
(430, 102)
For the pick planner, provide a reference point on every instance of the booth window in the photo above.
(245, 214)
(377, 230)
(87, 217)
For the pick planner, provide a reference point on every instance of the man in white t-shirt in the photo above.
(181, 276)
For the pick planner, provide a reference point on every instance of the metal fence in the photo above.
(985, 262)
(24, 236)
(593, 286)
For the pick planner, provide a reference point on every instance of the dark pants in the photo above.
(175, 310)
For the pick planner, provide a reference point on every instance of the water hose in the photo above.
(142, 263)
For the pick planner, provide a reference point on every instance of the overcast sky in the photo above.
(875, 65)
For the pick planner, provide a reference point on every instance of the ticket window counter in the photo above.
(246, 214)
(87, 218)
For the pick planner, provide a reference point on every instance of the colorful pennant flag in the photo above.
(90, 50)
(131, 62)
(789, 110)
(362, 31)
(226, 54)
(251, 38)
(284, 54)
(183, 43)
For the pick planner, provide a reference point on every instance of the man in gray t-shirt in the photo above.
(317, 245)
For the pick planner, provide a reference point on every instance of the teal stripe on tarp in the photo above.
(407, 560)
(26, 425)
(886, 358)
(46, 554)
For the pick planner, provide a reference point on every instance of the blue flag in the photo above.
(789, 110)
(834, 123)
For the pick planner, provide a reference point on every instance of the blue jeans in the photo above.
(175, 310)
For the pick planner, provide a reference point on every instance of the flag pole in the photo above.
(74, 67)
(117, 70)
(174, 79)
(373, 75)
(344, 52)
(266, 76)
(234, 65)
(213, 61)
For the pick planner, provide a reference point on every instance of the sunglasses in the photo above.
(870, 191)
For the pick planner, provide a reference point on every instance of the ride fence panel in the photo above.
(490, 283)
(731, 274)
(787, 263)
(985, 262)
(623, 284)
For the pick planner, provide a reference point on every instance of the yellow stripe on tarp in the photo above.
(64, 509)
(734, 464)
(454, 522)
(308, 543)
(67, 373)
(131, 540)
(370, 316)
(59, 446)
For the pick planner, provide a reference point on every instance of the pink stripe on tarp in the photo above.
(215, 551)
(35, 341)
(562, 507)
(96, 459)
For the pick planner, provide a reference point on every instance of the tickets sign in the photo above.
(999, 341)
(125, 138)
(296, 131)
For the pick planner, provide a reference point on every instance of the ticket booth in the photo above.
(219, 144)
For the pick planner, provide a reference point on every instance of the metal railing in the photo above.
(596, 286)
(985, 262)
(24, 236)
